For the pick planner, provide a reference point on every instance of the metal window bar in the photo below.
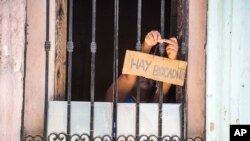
(115, 69)
(24, 75)
(70, 48)
(160, 84)
(138, 48)
(183, 54)
(47, 49)
(93, 48)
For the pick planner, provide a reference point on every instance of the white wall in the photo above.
(228, 67)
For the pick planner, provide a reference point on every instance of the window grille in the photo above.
(68, 136)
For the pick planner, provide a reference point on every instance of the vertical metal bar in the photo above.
(115, 69)
(92, 87)
(162, 18)
(183, 49)
(161, 50)
(138, 43)
(138, 48)
(24, 74)
(70, 48)
(47, 49)
(184, 55)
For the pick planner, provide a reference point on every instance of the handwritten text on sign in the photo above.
(154, 67)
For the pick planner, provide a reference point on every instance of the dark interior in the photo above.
(105, 40)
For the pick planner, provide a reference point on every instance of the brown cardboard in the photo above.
(154, 67)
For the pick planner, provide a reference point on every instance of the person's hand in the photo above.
(151, 39)
(172, 47)
(154, 37)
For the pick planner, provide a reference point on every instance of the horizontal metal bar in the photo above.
(62, 136)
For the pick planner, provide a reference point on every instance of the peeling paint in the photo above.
(237, 121)
(0, 28)
(5, 51)
(4, 55)
(211, 126)
(225, 114)
(12, 20)
(17, 66)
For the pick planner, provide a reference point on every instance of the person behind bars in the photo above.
(149, 92)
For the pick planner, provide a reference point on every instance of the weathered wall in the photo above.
(12, 45)
(35, 65)
(228, 67)
(196, 68)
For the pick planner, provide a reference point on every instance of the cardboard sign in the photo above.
(154, 67)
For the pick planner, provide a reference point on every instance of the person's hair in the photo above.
(154, 51)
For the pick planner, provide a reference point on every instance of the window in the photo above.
(127, 39)
(105, 40)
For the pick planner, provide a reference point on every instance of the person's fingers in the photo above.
(170, 42)
(157, 37)
(172, 53)
(172, 47)
(161, 41)
(154, 36)
(173, 39)
(151, 38)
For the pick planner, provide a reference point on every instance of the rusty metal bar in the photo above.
(162, 18)
(160, 84)
(47, 49)
(115, 69)
(138, 48)
(184, 55)
(24, 72)
(70, 47)
(93, 48)
(138, 43)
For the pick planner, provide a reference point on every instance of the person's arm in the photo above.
(127, 82)
(166, 87)
(125, 85)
